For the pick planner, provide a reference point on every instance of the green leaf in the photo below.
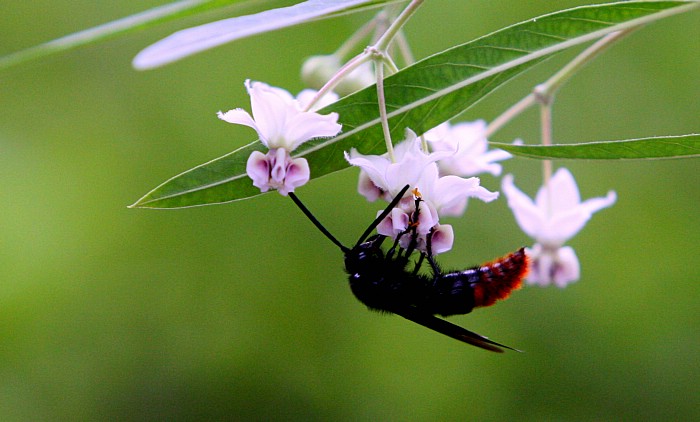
(123, 26)
(419, 97)
(144, 20)
(200, 38)
(662, 147)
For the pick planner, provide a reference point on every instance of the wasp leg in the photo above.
(431, 258)
(413, 243)
(392, 250)
(413, 227)
(416, 268)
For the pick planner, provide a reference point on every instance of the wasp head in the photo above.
(367, 257)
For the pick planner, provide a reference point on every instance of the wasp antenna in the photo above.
(317, 223)
(382, 216)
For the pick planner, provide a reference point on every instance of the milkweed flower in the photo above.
(555, 216)
(383, 178)
(282, 125)
(446, 195)
(467, 141)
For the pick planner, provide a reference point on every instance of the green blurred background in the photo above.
(242, 311)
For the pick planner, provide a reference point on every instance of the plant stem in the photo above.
(385, 40)
(558, 79)
(379, 54)
(545, 90)
(546, 134)
(357, 37)
(381, 101)
(348, 67)
(510, 114)
(404, 49)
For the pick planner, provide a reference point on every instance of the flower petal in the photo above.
(298, 174)
(450, 193)
(566, 223)
(560, 194)
(593, 205)
(271, 107)
(308, 125)
(467, 141)
(240, 117)
(568, 269)
(529, 217)
(427, 218)
(394, 224)
(374, 167)
(540, 266)
(558, 266)
(442, 239)
(278, 158)
(367, 188)
(258, 169)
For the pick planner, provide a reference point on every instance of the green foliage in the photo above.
(685, 146)
(124, 26)
(242, 312)
(194, 40)
(419, 97)
(159, 15)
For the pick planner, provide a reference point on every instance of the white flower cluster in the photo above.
(440, 195)
(442, 179)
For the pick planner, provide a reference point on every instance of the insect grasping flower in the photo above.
(282, 125)
(447, 195)
(555, 216)
(467, 140)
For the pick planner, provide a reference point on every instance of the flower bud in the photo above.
(318, 70)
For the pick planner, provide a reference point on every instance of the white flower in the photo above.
(282, 125)
(279, 119)
(553, 265)
(379, 177)
(449, 194)
(555, 216)
(468, 142)
(384, 178)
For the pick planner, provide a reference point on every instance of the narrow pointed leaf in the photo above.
(419, 97)
(662, 147)
(200, 38)
(123, 26)
(147, 19)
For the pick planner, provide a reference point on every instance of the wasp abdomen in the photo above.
(461, 291)
(500, 277)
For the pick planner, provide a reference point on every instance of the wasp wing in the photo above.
(449, 329)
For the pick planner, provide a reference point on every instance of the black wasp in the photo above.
(383, 281)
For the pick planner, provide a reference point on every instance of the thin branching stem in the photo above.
(381, 102)
(385, 40)
(346, 69)
(543, 91)
(355, 39)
